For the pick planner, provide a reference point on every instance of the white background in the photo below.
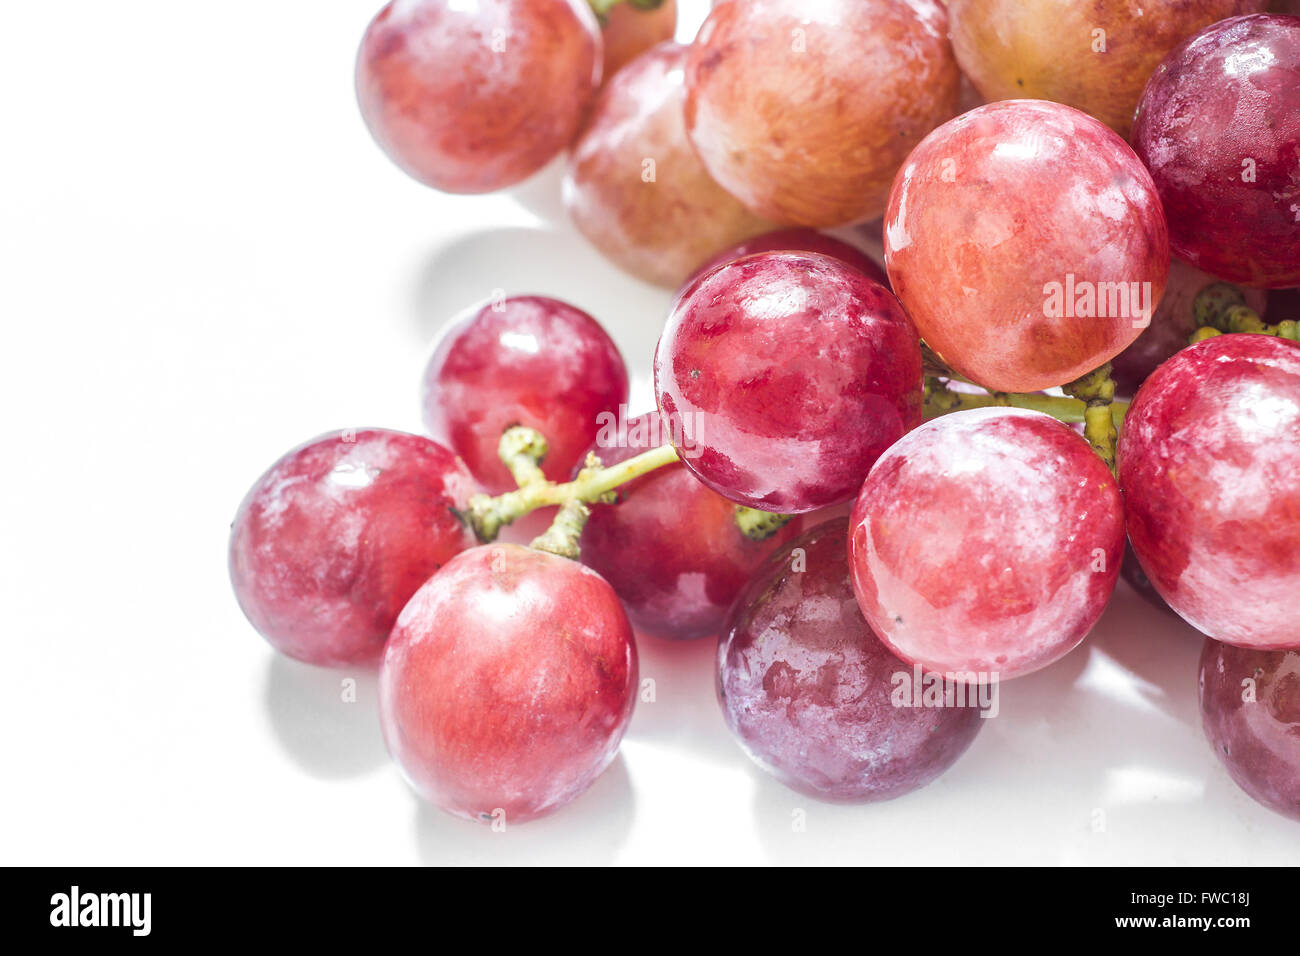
(205, 261)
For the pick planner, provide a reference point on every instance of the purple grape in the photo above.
(812, 694)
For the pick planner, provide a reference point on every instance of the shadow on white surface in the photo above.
(684, 714)
(542, 193)
(324, 734)
(589, 831)
(1160, 651)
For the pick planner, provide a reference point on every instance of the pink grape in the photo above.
(986, 541)
(628, 32)
(1207, 459)
(508, 683)
(805, 111)
(1250, 709)
(789, 373)
(474, 97)
(635, 187)
(1006, 233)
(526, 360)
(1219, 127)
(333, 540)
(811, 693)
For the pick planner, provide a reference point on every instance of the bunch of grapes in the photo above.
(883, 491)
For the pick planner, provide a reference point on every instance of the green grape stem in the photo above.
(562, 537)
(595, 483)
(1089, 400)
(941, 400)
(760, 525)
(1097, 391)
(1221, 308)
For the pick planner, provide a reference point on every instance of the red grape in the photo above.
(333, 540)
(988, 541)
(805, 111)
(1092, 56)
(628, 32)
(507, 683)
(1173, 322)
(811, 693)
(635, 187)
(1010, 228)
(798, 240)
(1208, 459)
(789, 373)
(1250, 709)
(671, 548)
(473, 97)
(1219, 128)
(526, 360)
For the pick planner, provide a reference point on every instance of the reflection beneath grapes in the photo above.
(330, 730)
(588, 831)
(684, 715)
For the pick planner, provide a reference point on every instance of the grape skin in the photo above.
(508, 683)
(332, 541)
(629, 32)
(671, 547)
(524, 360)
(1219, 128)
(987, 540)
(1174, 321)
(1255, 739)
(805, 111)
(471, 98)
(809, 690)
(1207, 460)
(999, 204)
(789, 373)
(657, 222)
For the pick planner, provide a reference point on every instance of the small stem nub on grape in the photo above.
(522, 450)
(563, 536)
(760, 525)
